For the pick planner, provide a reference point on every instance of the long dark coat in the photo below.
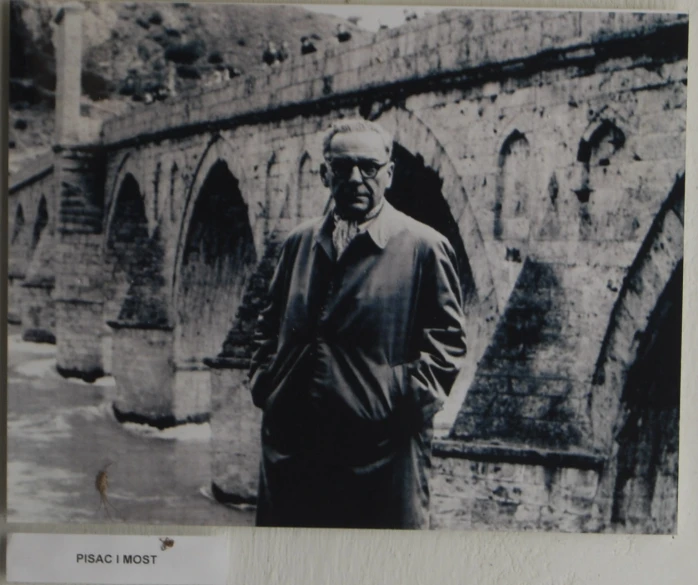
(355, 357)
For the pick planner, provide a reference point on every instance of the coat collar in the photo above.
(386, 224)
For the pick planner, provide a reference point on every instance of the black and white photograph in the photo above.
(335, 266)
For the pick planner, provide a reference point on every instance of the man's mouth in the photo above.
(354, 195)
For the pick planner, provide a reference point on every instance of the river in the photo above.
(62, 433)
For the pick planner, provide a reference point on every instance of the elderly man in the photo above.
(361, 341)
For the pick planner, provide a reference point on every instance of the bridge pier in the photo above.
(235, 433)
(152, 387)
(191, 393)
(14, 295)
(78, 295)
(79, 172)
(235, 421)
(38, 312)
(150, 390)
(142, 369)
(78, 352)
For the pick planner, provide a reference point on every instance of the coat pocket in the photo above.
(403, 399)
(270, 382)
(417, 405)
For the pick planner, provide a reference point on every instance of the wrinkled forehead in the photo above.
(358, 144)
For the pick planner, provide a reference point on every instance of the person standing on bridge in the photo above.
(360, 343)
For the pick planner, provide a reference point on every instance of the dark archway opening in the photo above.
(129, 226)
(18, 225)
(416, 191)
(217, 257)
(645, 492)
(135, 294)
(136, 312)
(40, 223)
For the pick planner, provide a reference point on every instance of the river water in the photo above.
(61, 433)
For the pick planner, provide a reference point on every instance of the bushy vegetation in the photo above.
(132, 49)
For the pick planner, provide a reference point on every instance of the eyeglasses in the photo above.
(343, 167)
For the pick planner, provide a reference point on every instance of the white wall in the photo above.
(321, 557)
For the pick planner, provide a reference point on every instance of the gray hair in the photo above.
(357, 125)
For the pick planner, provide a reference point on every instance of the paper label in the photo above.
(121, 560)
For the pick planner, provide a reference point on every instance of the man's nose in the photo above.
(355, 176)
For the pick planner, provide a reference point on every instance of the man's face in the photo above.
(357, 171)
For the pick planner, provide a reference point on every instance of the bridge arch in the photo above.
(514, 204)
(18, 224)
(415, 136)
(635, 395)
(416, 191)
(136, 258)
(215, 253)
(598, 148)
(115, 285)
(133, 260)
(218, 149)
(129, 166)
(40, 222)
(311, 196)
(600, 141)
(135, 345)
(271, 187)
(20, 241)
(417, 143)
(126, 234)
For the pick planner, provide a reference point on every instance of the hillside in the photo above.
(134, 52)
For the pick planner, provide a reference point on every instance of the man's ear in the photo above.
(324, 174)
(389, 169)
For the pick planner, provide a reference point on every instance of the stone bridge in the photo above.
(548, 147)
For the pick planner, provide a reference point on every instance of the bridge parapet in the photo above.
(31, 171)
(467, 44)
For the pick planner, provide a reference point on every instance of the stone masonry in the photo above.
(548, 147)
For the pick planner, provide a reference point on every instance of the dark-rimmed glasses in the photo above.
(343, 167)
